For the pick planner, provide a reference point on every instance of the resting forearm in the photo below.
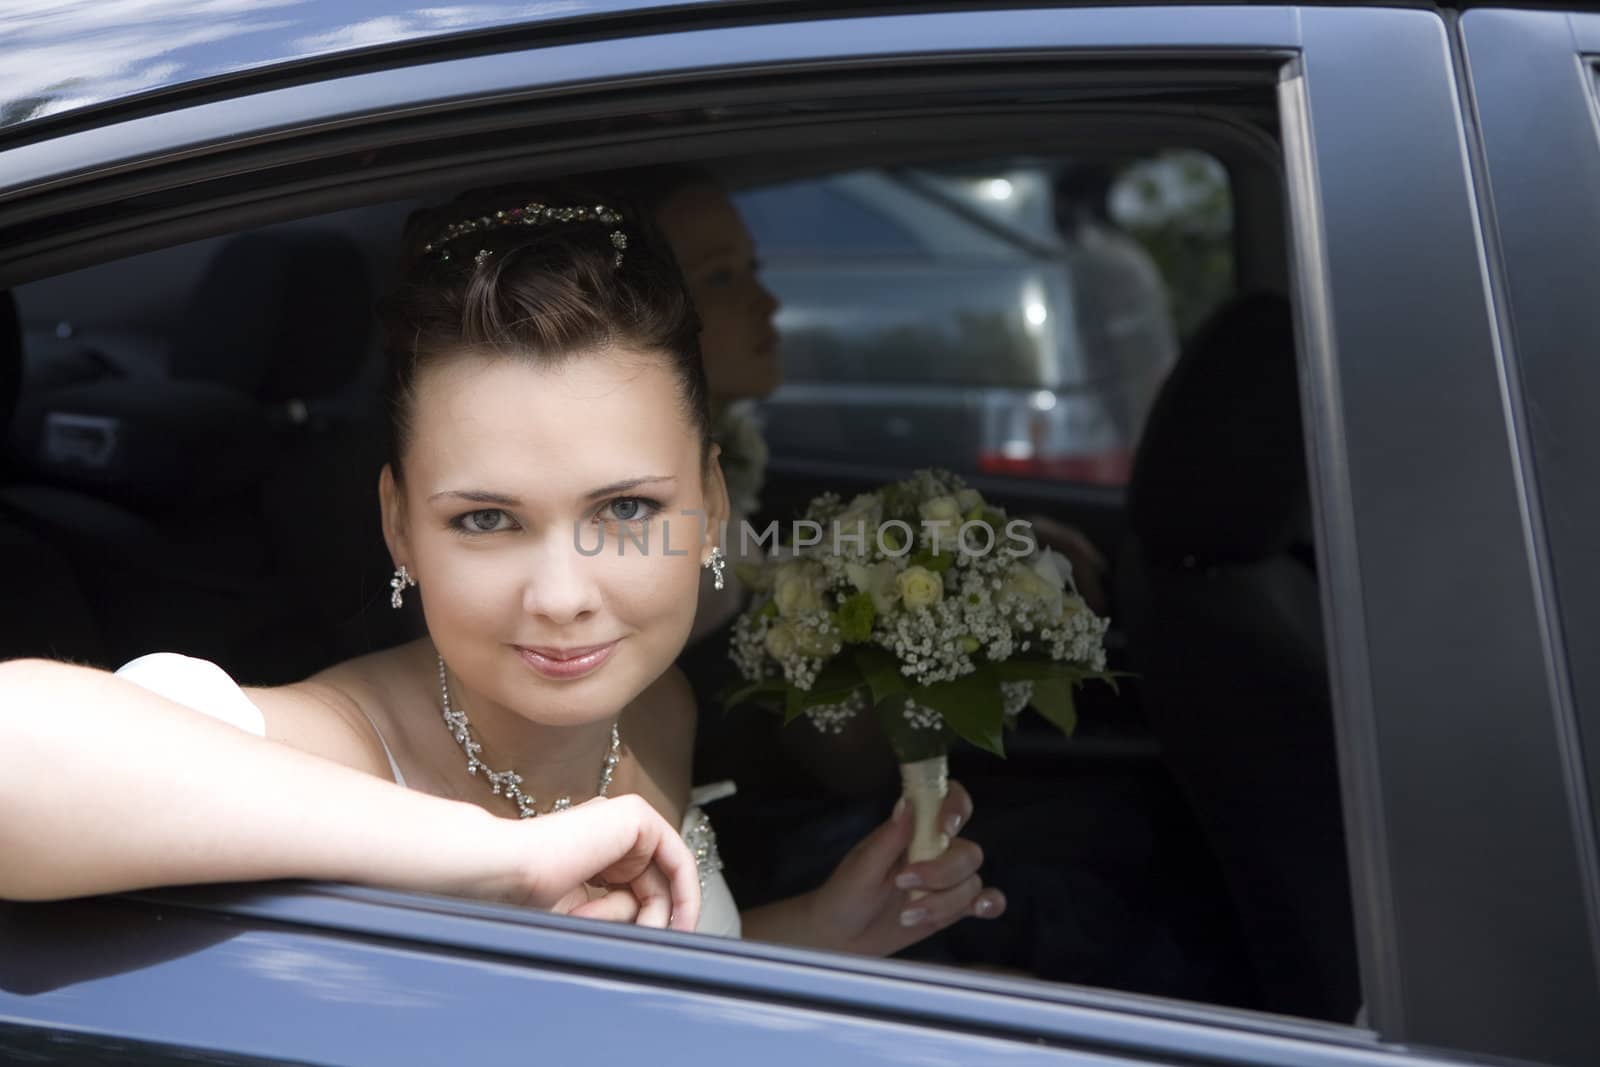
(106, 787)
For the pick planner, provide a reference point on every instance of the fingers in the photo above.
(935, 911)
(614, 905)
(875, 856)
(675, 884)
(956, 811)
(956, 864)
(622, 841)
(654, 894)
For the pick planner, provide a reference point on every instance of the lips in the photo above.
(566, 663)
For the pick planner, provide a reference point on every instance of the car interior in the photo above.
(193, 434)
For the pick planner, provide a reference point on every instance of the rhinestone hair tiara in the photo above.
(531, 214)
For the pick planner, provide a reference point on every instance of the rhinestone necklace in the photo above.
(508, 783)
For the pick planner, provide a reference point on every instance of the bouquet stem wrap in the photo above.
(925, 784)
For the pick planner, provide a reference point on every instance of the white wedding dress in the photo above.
(207, 688)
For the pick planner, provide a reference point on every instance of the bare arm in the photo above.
(105, 786)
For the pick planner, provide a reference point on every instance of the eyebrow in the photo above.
(629, 483)
(478, 496)
(484, 496)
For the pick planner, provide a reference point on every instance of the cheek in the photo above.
(655, 587)
(469, 586)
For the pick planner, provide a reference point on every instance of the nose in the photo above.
(559, 585)
(766, 301)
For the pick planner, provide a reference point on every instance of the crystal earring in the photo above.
(715, 562)
(397, 586)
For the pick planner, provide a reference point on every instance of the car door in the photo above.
(1441, 665)
(1540, 183)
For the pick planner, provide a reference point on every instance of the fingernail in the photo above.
(907, 880)
(952, 824)
(912, 916)
(985, 906)
(899, 810)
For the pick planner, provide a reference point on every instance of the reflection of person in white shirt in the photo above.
(1122, 307)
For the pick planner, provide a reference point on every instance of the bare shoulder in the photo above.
(659, 726)
(336, 713)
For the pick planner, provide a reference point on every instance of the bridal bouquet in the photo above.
(926, 607)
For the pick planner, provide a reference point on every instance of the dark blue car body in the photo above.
(1443, 179)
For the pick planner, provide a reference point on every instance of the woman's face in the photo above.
(737, 337)
(514, 474)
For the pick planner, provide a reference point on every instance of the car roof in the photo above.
(68, 55)
(81, 59)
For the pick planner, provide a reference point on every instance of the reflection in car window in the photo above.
(991, 316)
(1179, 206)
(809, 220)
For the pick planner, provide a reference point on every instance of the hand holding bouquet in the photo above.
(925, 606)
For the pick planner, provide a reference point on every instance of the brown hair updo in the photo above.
(543, 294)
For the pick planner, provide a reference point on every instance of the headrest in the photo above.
(146, 441)
(10, 361)
(278, 316)
(1220, 474)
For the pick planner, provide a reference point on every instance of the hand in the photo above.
(615, 859)
(866, 906)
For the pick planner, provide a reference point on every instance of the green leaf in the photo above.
(937, 562)
(764, 691)
(972, 707)
(838, 678)
(855, 618)
(793, 706)
(909, 743)
(1052, 698)
(1018, 669)
(881, 670)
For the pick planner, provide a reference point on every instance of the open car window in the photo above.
(1217, 834)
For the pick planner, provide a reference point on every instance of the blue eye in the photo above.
(720, 278)
(630, 509)
(485, 520)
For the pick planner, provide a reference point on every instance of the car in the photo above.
(1343, 813)
(920, 325)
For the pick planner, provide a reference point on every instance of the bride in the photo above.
(551, 499)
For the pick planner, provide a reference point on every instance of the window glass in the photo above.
(999, 316)
(815, 220)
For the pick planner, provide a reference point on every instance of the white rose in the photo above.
(859, 520)
(940, 509)
(968, 499)
(1053, 567)
(798, 589)
(1023, 581)
(920, 587)
(781, 641)
(877, 580)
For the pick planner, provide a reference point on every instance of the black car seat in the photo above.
(1220, 597)
(222, 511)
(286, 318)
(43, 610)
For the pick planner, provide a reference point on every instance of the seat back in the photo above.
(1220, 596)
(43, 610)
